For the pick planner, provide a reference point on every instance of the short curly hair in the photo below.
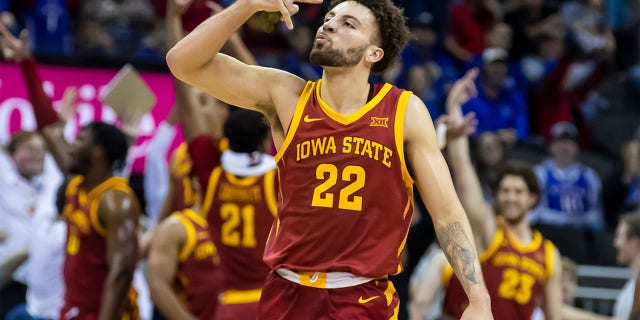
(391, 19)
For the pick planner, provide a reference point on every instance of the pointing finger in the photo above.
(285, 15)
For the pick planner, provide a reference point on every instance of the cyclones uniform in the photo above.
(240, 211)
(85, 266)
(197, 278)
(514, 273)
(345, 208)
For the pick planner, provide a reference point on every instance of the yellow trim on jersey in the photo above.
(270, 192)
(524, 248)
(95, 196)
(240, 181)
(295, 120)
(404, 241)
(493, 246)
(211, 191)
(181, 164)
(195, 217)
(72, 187)
(240, 296)
(409, 205)
(348, 119)
(396, 311)
(401, 111)
(388, 293)
(95, 219)
(190, 242)
(549, 253)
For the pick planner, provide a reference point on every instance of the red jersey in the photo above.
(185, 196)
(346, 196)
(240, 211)
(85, 265)
(515, 275)
(197, 280)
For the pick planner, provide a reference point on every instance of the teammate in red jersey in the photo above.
(520, 267)
(182, 268)
(102, 218)
(238, 186)
(345, 191)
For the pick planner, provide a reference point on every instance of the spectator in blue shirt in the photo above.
(499, 107)
(571, 194)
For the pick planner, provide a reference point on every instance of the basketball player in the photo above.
(520, 267)
(239, 205)
(239, 184)
(345, 199)
(101, 210)
(102, 218)
(182, 269)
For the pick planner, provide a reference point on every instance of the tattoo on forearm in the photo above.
(459, 251)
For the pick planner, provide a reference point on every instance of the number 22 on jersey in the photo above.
(347, 200)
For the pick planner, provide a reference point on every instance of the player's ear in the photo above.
(374, 54)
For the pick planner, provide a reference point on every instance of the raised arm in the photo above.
(118, 211)
(552, 298)
(467, 183)
(17, 49)
(166, 245)
(450, 222)
(196, 60)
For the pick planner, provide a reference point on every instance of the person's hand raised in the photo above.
(14, 49)
(463, 90)
(287, 8)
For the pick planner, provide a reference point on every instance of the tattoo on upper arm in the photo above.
(459, 251)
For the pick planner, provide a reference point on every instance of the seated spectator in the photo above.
(571, 190)
(499, 106)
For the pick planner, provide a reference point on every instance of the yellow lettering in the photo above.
(387, 155)
(378, 147)
(358, 142)
(533, 267)
(317, 145)
(346, 144)
(305, 149)
(331, 145)
(367, 149)
(204, 250)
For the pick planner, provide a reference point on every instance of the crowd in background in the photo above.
(559, 87)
